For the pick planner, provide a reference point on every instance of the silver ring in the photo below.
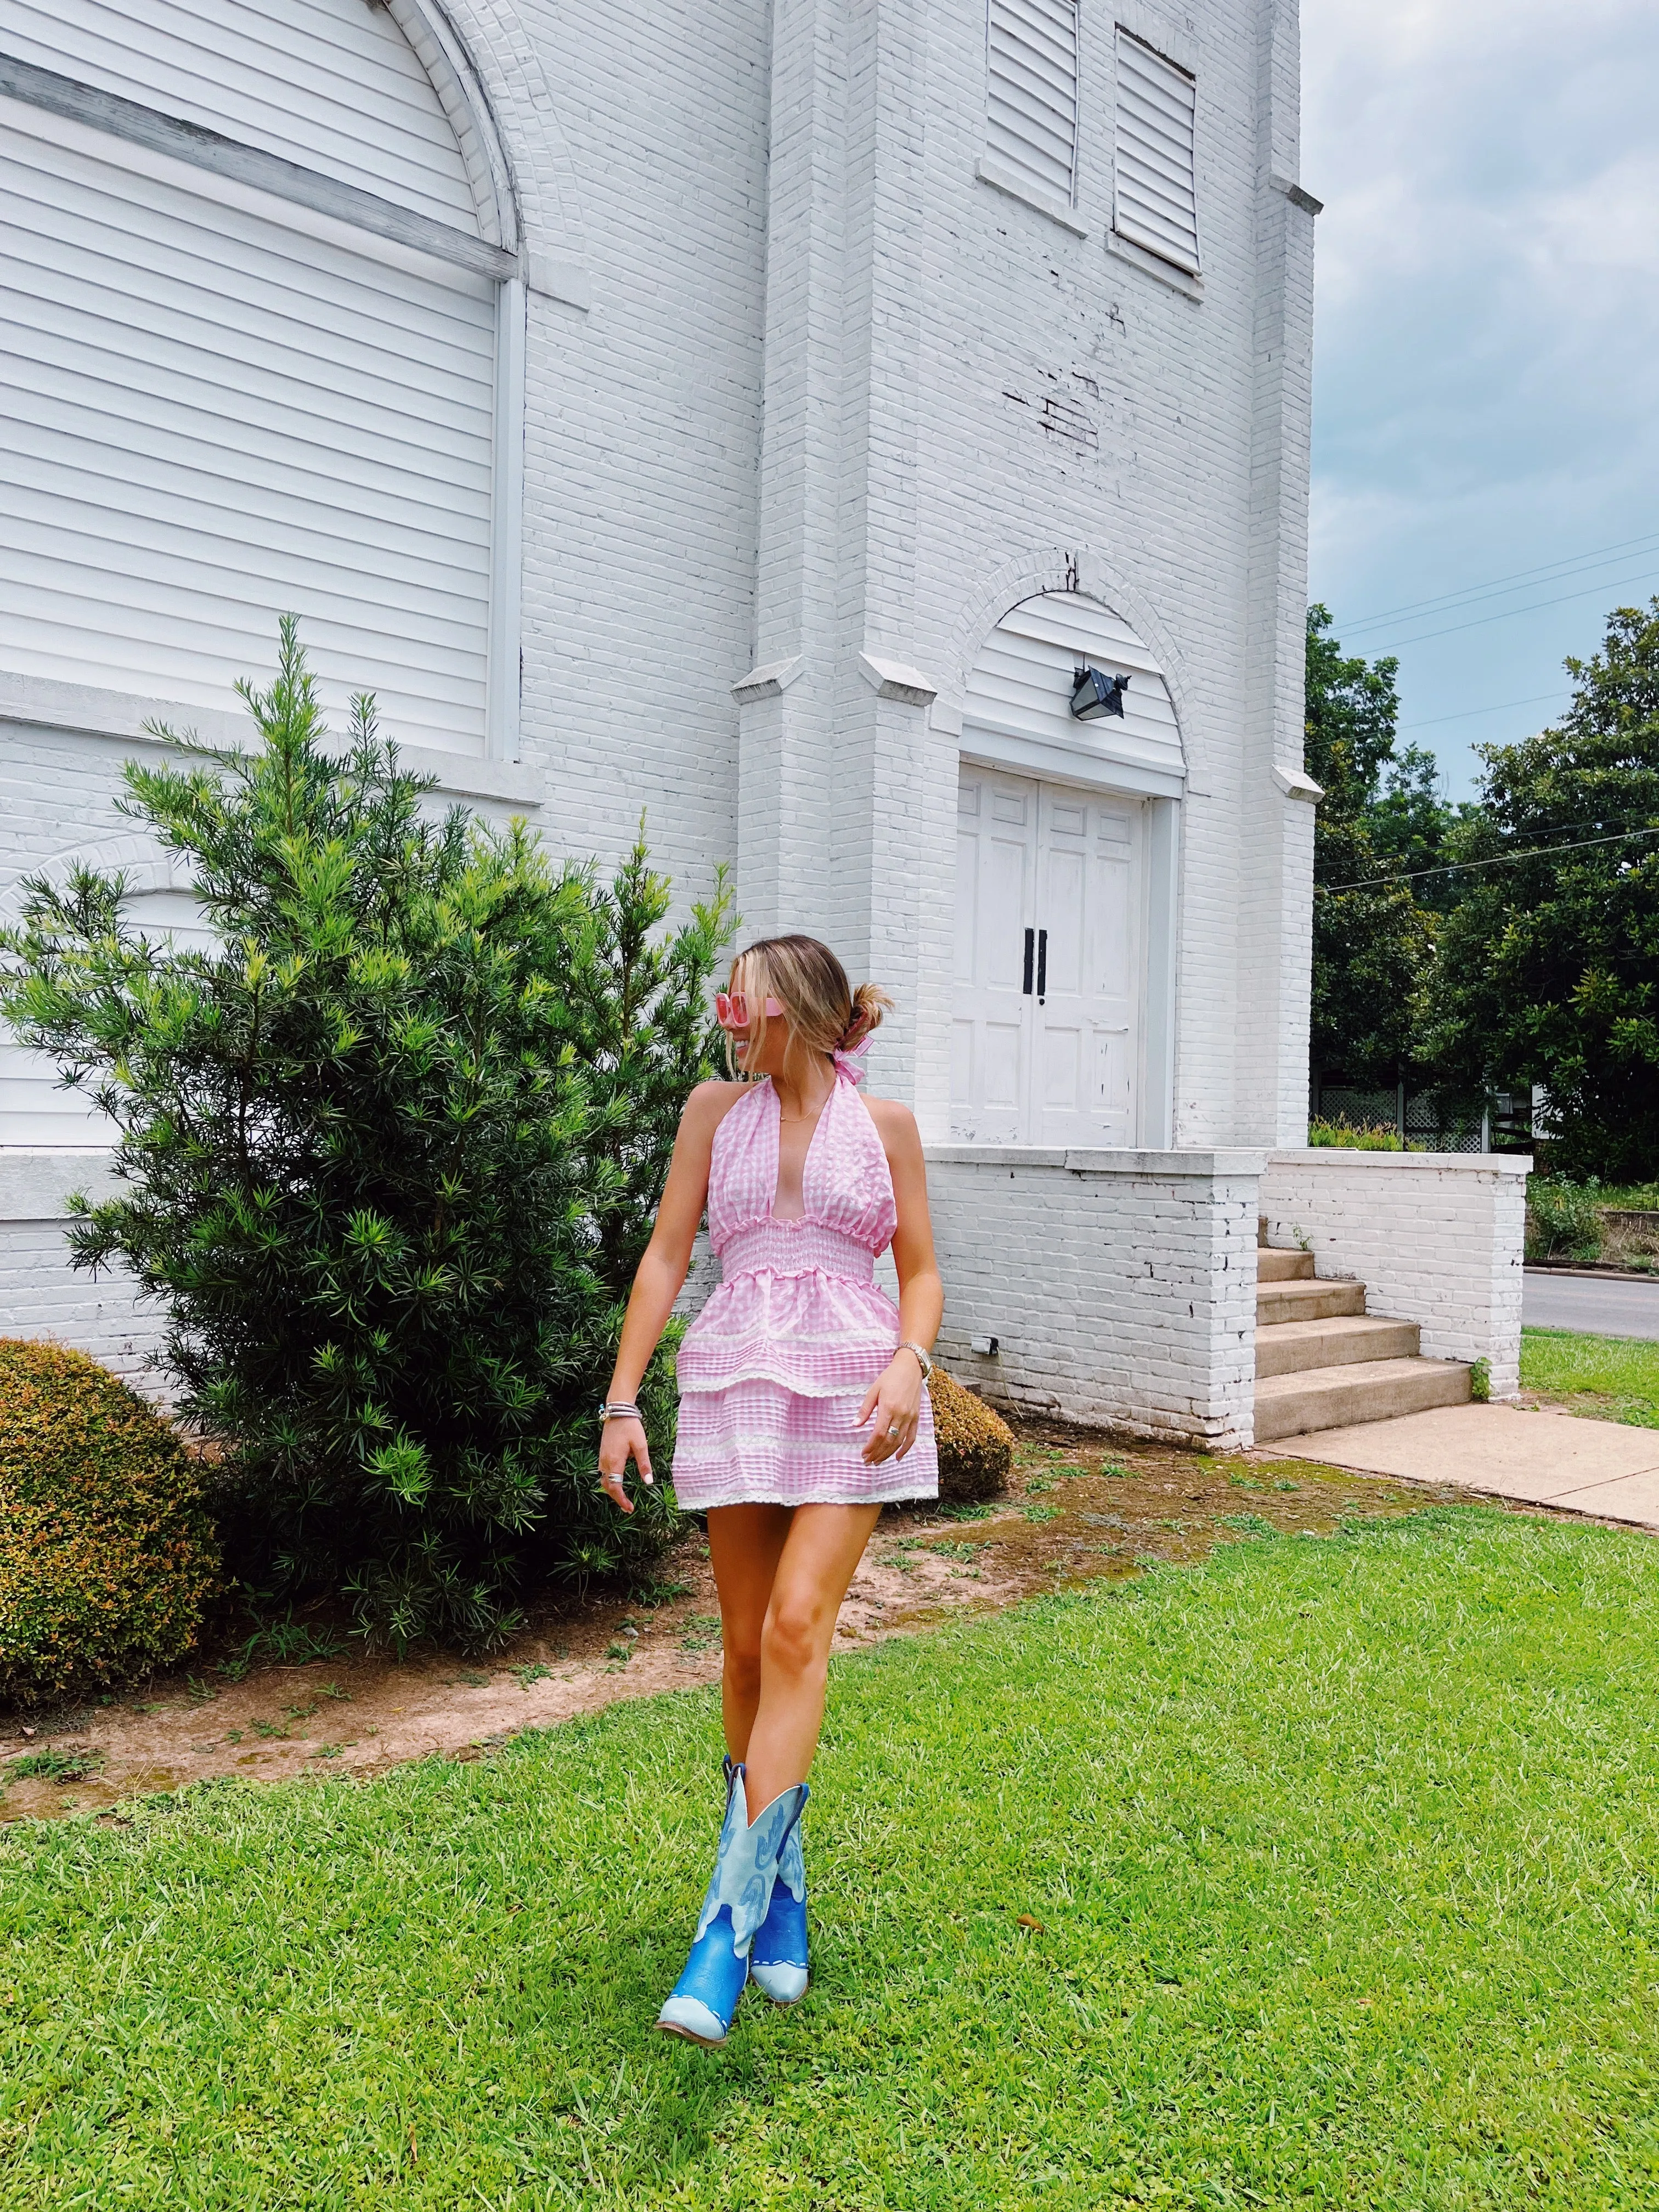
(896, 1432)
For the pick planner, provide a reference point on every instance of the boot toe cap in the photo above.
(783, 1983)
(690, 2017)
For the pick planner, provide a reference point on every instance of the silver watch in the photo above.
(922, 1359)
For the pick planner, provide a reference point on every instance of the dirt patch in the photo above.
(1078, 1508)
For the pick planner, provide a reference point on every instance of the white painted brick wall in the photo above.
(1121, 1286)
(1186, 512)
(41, 1295)
(802, 416)
(1435, 1237)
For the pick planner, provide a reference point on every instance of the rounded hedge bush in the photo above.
(107, 1554)
(975, 1446)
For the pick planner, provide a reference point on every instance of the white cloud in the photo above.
(1488, 312)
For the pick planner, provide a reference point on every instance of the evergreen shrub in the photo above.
(975, 1445)
(108, 1552)
(387, 1151)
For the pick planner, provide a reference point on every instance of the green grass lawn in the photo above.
(1320, 1874)
(1616, 1378)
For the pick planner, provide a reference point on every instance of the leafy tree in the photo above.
(386, 1152)
(1411, 826)
(1549, 966)
(1373, 941)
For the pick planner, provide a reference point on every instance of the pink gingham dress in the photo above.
(775, 1369)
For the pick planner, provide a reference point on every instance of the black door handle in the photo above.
(1030, 939)
(1042, 965)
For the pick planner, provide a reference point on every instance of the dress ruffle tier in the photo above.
(774, 1370)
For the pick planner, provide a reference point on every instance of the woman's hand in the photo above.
(619, 1442)
(895, 1401)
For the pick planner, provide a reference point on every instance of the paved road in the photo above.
(1593, 1303)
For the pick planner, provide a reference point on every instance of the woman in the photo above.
(803, 1410)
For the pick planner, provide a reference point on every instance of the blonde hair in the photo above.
(823, 1010)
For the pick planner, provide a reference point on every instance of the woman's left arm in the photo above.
(896, 1399)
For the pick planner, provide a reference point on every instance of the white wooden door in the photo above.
(996, 861)
(1050, 950)
(1089, 961)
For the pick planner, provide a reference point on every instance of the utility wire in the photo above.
(1586, 592)
(1443, 601)
(1589, 822)
(1458, 603)
(1467, 714)
(1498, 860)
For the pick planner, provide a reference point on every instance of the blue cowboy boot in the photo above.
(704, 2000)
(777, 1957)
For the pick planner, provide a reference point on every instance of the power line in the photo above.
(1468, 712)
(1445, 599)
(1498, 860)
(1590, 590)
(1516, 576)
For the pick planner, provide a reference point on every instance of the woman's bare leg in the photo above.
(820, 1555)
(745, 1543)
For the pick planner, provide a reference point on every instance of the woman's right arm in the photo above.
(660, 1278)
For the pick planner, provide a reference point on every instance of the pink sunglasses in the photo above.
(732, 1010)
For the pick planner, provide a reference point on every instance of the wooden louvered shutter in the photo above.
(1031, 92)
(1155, 203)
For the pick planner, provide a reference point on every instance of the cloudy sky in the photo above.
(1486, 389)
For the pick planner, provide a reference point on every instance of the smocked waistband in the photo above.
(797, 1248)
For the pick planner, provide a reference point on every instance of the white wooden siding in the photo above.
(331, 84)
(1031, 91)
(1156, 196)
(35, 1107)
(209, 417)
(1018, 703)
(36, 1110)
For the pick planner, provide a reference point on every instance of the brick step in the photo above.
(1275, 1267)
(1291, 1347)
(1341, 1397)
(1306, 1301)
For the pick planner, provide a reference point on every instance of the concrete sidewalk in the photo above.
(1538, 1458)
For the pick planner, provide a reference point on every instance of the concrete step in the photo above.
(1275, 1267)
(1306, 1301)
(1342, 1397)
(1291, 1347)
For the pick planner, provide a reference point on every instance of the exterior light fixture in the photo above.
(1094, 694)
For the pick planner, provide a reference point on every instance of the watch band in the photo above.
(922, 1359)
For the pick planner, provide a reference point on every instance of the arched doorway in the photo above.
(1062, 1020)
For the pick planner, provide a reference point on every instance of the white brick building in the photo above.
(754, 416)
